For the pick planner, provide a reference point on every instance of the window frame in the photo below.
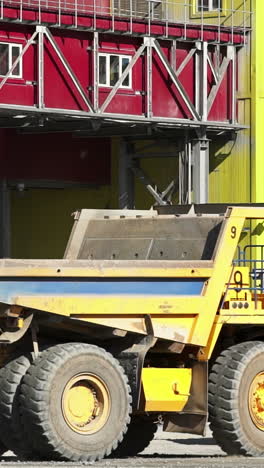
(121, 56)
(194, 13)
(10, 46)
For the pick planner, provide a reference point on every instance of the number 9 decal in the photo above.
(233, 232)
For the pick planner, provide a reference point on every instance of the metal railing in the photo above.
(251, 256)
(185, 13)
(255, 265)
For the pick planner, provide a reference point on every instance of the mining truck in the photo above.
(152, 317)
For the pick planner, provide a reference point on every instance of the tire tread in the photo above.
(140, 433)
(224, 382)
(34, 407)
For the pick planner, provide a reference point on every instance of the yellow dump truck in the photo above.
(152, 317)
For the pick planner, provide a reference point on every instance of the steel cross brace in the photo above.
(160, 197)
(151, 44)
(129, 168)
(40, 32)
(199, 112)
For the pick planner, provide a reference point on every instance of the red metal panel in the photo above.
(166, 99)
(221, 108)
(76, 47)
(20, 91)
(59, 91)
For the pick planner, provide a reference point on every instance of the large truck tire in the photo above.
(11, 429)
(75, 403)
(236, 399)
(140, 433)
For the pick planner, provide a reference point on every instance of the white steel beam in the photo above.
(200, 170)
(197, 77)
(232, 55)
(161, 122)
(173, 54)
(215, 74)
(204, 80)
(149, 44)
(95, 71)
(40, 68)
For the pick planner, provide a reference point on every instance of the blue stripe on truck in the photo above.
(79, 286)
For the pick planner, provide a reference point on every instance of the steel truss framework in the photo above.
(191, 182)
(196, 112)
(193, 156)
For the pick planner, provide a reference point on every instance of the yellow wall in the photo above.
(257, 73)
(240, 176)
(41, 219)
(230, 163)
(235, 12)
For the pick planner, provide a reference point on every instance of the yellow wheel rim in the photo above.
(256, 401)
(86, 403)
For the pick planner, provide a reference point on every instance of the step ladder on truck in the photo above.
(151, 317)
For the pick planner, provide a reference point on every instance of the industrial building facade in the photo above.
(124, 103)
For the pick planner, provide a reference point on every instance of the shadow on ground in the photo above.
(205, 441)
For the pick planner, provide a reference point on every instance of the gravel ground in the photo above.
(167, 450)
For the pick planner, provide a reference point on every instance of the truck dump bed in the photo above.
(104, 235)
(121, 266)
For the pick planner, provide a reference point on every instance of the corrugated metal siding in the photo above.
(230, 164)
(257, 104)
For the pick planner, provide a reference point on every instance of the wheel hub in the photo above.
(85, 403)
(81, 403)
(256, 401)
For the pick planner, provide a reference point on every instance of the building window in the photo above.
(8, 54)
(209, 5)
(111, 68)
